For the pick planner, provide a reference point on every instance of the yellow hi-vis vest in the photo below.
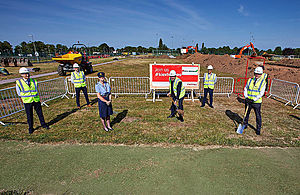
(182, 92)
(209, 82)
(78, 79)
(254, 90)
(30, 93)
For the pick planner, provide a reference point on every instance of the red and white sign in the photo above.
(188, 73)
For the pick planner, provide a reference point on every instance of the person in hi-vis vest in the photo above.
(253, 92)
(209, 81)
(177, 92)
(27, 89)
(78, 79)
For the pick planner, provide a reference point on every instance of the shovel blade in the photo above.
(240, 129)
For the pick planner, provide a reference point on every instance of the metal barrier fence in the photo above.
(119, 85)
(11, 103)
(130, 85)
(298, 99)
(90, 85)
(285, 90)
(224, 86)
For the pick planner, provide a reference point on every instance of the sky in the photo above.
(233, 23)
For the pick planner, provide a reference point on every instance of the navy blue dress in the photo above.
(104, 90)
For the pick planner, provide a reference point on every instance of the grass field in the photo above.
(144, 122)
(159, 155)
(95, 169)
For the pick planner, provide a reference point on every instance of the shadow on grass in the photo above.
(296, 117)
(119, 117)
(236, 119)
(62, 116)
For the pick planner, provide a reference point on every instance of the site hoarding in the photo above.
(188, 73)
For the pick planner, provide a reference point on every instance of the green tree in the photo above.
(278, 50)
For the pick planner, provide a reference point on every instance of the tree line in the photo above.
(42, 48)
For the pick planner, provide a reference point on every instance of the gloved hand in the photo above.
(249, 101)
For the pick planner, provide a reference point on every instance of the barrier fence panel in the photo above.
(90, 85)
(130, 85)
(298, 99)
(52, 89)
(224, 86)
(11, 103)
(284, 90)
(119, 85)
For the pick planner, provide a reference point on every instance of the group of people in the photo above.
(253, 93)
(27, 89)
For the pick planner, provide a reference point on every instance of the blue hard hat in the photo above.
(101, 74)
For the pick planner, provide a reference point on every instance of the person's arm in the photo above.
(72, 79)
(84, 77)
(18, 90)
(262, 92)
(178, 90)
(215, 79)
(101, 98)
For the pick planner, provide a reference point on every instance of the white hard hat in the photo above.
(259, 70)
(23, 70)
(210, 67)
(172, 73)
(75, 65)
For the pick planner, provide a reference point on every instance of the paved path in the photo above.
(50, 73)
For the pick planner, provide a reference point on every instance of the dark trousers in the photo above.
(210, 91)
(29, 112)
(84, 90)
(257, 109)
(173, 107)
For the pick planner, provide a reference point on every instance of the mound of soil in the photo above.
(237, 67)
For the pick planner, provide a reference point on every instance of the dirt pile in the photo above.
(237, 67)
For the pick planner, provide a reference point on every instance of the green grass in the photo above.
(96, 169)
(138, 121)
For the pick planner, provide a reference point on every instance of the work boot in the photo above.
(257, 132)
(202, 105)
(181, 119)
(30, 131)
(211, 106)
(171, 116)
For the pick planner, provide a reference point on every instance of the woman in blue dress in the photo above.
(104, 101)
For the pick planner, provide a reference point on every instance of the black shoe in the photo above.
(181, 119)
(110, 128)
(171, 116)
(257, 132)
(211, 106)
(30, 132)
(46, 127)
